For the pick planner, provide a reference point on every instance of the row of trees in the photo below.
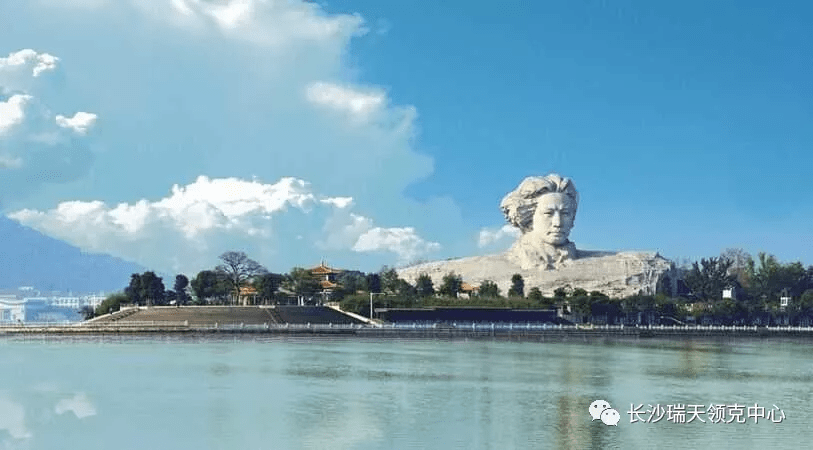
(759, 284)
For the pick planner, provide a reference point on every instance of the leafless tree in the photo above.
(238, 269)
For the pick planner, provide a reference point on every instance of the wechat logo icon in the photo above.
(601, 410)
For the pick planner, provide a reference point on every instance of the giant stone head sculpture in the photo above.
(543, 208)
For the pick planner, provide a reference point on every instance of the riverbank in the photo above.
(532, 332)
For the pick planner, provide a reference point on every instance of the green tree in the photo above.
(181, 283)
(405, 290)
(303, 282)
(806, 302)
(772, 277)
(560, 293)
(579, 292)
(352, 281)
(87, 312)
(267, 285)
(389, 280)
(742, 265)
(237, 269)
(580, 304)
(208, 287)
(424, 285)
(451, 285)
(708, 279)
(517, 286)
(111, 304)
(134, 292)
(152, 288)
(489, 289)
(374, 283)
(536, 295)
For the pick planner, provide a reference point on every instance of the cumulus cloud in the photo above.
(274, 96)
(28, 59)
(79, 405)
(79, 123)
(12, 112)
(405, 242)
(36, 147)
(186, 231)
(497, 237)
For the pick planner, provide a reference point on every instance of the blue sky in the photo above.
(686, 128)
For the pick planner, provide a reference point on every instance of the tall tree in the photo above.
(772, 277)
(535, 294)
(238, 269)
(134, 291)
(708, 279)
(303, 282)
(152, 288)
(424, 285)
(389, 280)
(207, 286)
(374, 283)
(352, 281)
(181, 283)
(489, 289)
(451, 285)
(404, 289)
(517, 286)
(742, 265)
(267, 285)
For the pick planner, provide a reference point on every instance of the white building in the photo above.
(12, 310)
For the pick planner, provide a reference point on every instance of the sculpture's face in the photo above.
(554, 218)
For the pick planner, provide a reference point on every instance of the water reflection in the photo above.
(381, 395)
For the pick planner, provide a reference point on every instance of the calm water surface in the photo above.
(249, 393)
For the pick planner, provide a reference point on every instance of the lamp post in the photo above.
(371, 302)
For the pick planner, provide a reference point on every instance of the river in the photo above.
(256, 392)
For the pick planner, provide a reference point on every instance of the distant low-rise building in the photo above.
(14, 309)
(468, 290)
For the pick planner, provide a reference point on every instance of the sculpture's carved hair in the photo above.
(519, 205)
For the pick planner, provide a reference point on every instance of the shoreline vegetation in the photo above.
(733, 289)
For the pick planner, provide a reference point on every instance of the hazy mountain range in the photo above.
(29, 258)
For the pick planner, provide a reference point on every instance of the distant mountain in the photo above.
(29, 258)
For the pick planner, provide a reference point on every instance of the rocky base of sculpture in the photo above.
(614, 274)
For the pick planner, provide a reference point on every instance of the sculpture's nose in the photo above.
(556, 219)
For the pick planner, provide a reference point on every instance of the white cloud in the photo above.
(79, 123)
(359, 105)
(404, 242)
(36, 147)
(498, 237)
(198, 222)
(29, 59)
(12, 112)
(79, 405)
(266, 22)
(236, 88)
